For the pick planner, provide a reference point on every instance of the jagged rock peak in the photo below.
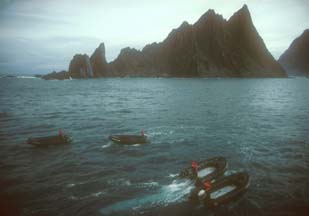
(244, 11)
(306, 33)
(98, 61)
(245, 8)
(182, 28)
(102, 46)
(304, 36)
(128, 50)
(209, 15)
(99, 51)
(295, 58)
(185, 24)
(150, 46)
(242, 14)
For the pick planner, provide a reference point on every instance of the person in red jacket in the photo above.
(194, 168)
(207, 185)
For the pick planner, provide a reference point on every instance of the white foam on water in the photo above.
(152, 134)
(167, 194)
(159, 131)
(127, 183)
(107, 145)
(173, 175)
(175, 186)
(176, 191)
(120, 181)
(73, 198)
(97, 194)
(70, 185)
(136, 145)
(27, 77)
(151, 183)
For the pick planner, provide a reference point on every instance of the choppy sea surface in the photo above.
(259, 125)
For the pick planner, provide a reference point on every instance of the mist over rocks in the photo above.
(296, 58)
(211, 47)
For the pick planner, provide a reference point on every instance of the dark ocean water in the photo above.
(259, 125)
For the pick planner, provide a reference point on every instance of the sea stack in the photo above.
(80, 67)
(296, 58)
(98, 62)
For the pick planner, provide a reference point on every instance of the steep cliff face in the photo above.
(296, 58)
(98, 62)
(210, 35)
(80, 67)
(178, 53)
(129, 62)
(212, 47)
(244, 52)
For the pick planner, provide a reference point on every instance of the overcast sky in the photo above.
(38, 36)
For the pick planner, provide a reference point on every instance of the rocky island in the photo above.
(295, 59)
(211, 47)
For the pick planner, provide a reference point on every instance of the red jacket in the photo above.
(194, 166)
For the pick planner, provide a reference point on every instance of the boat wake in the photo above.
(173, 175)
(96, 194)
(107, 145)
(167, 194)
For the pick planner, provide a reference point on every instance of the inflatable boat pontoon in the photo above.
(224, 190)
(129, 139)
(49, 140)
(207, 169)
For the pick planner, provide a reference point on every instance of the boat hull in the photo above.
(50, 140)
(128, 139)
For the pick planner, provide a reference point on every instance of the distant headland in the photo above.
(296, 58)
(211, 47)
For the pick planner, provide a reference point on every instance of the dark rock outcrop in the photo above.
(62, 75)
(98, 61)
(130, 62)
(296, 58)
(212, 47)
(80, 67)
